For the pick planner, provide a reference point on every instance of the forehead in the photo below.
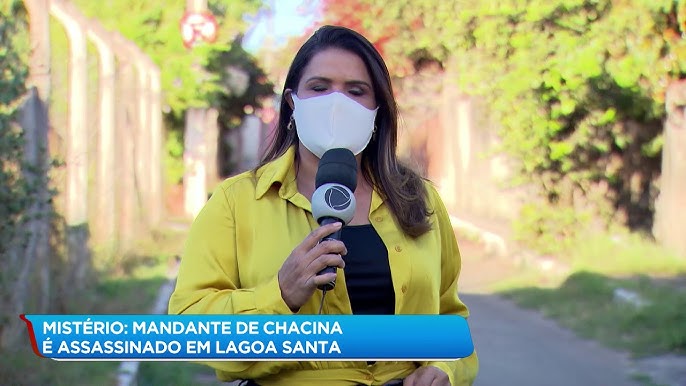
(336, 64)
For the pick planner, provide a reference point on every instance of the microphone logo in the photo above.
(337, 198)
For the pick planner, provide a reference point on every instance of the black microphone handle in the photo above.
(330, 220)
(334, 236)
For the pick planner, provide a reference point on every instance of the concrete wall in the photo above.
(670, 207)
(447, 136)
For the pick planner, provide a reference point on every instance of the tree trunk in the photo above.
(670, 226)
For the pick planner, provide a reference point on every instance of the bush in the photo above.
(550, 228)
(13, 74)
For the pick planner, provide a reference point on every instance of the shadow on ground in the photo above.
(519, 347)
(598, 339)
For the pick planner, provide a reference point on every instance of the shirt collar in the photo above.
(282, 171)
(377, 200)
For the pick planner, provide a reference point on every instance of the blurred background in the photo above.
(554, 131)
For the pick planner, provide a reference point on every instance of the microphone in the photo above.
(333, 199)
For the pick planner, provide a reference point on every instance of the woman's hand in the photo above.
(298, 277)
(427, 376)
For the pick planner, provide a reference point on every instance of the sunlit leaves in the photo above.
(577, 85)
(14, 188)
(154, 26)
(560, 150)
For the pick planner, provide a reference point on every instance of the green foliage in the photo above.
(25, 200)
(154, 27)
(241, 87)
(550, 229)
(623, 253)
(131, 288)
(21, 366)
(586, 303)
(209, 75)
(240, 83)
(173, 157)
(578, 86)
(14, 190)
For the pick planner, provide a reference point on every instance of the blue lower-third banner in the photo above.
(249, 338)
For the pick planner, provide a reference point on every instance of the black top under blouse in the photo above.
(367, 271)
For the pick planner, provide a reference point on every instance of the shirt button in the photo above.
(398, 248)
(404, 288)
(378, 218)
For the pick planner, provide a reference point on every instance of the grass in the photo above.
(642, 379)
(645, 380)
(128, 287)
(584, 299)
(22, 367)
(176, 373)
(625, 254)
(586, 304)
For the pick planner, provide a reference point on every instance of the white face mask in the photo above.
(333, 121)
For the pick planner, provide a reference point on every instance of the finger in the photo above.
(439, 382)
(410, 379)
(333, 247)
(425, 377)
(316, 235)
(323, 261)
(326, 278)
(328, 247)
(420, 377)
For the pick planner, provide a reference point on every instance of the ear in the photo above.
(288, 94)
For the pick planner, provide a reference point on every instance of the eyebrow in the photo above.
(349, 82)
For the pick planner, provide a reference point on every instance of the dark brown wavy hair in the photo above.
(402, 189)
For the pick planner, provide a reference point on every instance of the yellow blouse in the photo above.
(247, 229)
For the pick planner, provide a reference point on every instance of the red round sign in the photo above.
(196, 27)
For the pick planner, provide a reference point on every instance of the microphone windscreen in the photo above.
(337, 166)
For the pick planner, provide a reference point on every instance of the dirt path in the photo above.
(520, 347)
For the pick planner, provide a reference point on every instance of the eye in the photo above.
(356, 91)
(318, 88)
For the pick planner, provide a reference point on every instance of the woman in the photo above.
(255, 246)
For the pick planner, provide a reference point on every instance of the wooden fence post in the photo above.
(105, 181)
(194, 157)
(127, 125)
(143, 135)
(76, 211)
(156, 145)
